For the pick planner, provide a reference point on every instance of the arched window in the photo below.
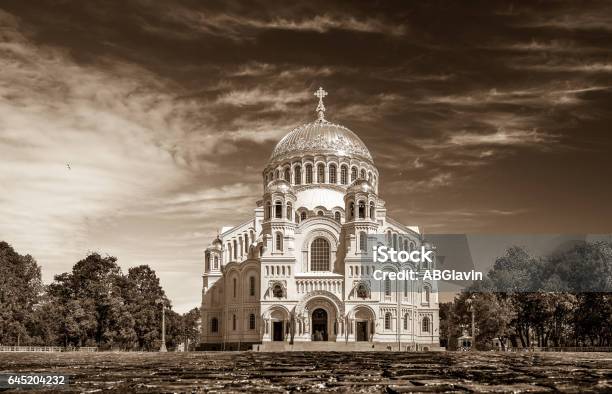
(303, 215)
(406, 248)
(268, 211)
(362, 291)
(363, 241)
(405, 288)
(401, 242)
(216, 262)
(395, 241)
(370, 177)
(288, 174)
(252, 321)
(351, 213)
(235, 250)
(343, 175)
(389, 238)
(425, 324)
(427, 292)
(333, 178)
(362, 210)
(289, 211)
(353, 174)
(406, 321)
(388, 321)
(320, 213)
(234, 322)
(276, 174)
(362, 174)
(387, 286)
(234, 287)
(278, 210)
(319, 252)
(321, 173)
(372, 210)
(241, 245)
(337, 216)
(297, 178)
(207, 264)
(277, 291)
(246, 243)
(279, 242)
(252, 286)
(308, 173)
(214, 325)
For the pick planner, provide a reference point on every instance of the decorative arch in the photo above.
(276, 312)
(300, 308)
(326, 234)
(361, 307)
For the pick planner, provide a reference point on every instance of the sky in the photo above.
(138, 128)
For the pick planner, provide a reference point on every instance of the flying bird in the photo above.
(68, 165)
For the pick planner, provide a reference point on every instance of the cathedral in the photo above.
(298, 274)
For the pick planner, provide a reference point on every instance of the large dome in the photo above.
(320, 137)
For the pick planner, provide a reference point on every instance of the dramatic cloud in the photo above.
(140, 129)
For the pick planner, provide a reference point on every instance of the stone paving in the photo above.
(322, 371)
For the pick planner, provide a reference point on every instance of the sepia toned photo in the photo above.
(321, 196)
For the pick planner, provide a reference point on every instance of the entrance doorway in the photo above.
(319, 325)
(362, 331)
(277, 331)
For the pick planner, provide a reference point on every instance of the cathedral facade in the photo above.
(298, 271)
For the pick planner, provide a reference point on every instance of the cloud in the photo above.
(324, 23)
(114, 125)
(578, 19)
(277, 100)
(594, 67)
(242, 26)
(502, 137)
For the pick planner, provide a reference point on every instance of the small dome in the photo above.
(320, 137)
(217, 243)
(279, 186)
(361, 185)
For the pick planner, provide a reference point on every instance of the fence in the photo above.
(574, 349)
(40, 349)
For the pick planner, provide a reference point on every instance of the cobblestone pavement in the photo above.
(322, 372)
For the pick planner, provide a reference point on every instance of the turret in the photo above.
(360, 207)
(279, 216)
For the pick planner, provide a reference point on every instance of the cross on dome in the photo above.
(320, 93)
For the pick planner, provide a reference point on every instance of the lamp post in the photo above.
(162, 348)
(470, 302)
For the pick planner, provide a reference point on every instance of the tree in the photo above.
(563, 299)
(191, 327)
(20, 289)
(141, 290)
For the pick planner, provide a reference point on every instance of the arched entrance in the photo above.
(328, 322)
(278, 325)
(364, 319)
(276, 320)
(319, 325)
